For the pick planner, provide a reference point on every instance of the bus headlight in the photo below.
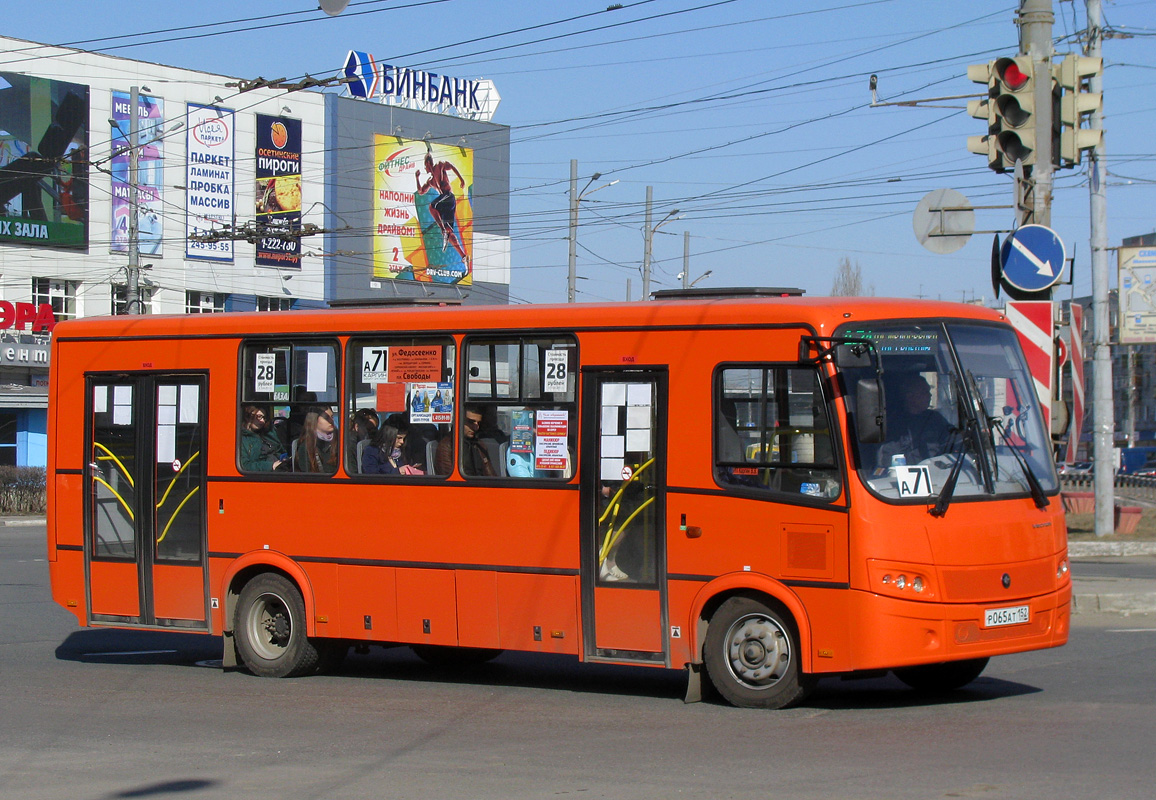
(901, 580)
(1062, 569)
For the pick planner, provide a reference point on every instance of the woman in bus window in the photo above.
(316, 447)
(385, 454)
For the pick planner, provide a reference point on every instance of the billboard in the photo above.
(150, 166)
(422, 211)
(211, 197)
(278, 191)
(43, 162)
(1137, 285)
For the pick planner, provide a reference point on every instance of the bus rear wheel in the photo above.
(937, 678)
(752, 656)
(270, 629)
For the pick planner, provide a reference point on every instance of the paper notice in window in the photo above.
(266, 366)
(316, 377)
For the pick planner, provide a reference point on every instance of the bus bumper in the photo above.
(897, 633)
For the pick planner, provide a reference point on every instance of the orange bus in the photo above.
(757, 487)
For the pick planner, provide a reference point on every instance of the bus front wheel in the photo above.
(752, 656)
(270, 629)
(935, 678)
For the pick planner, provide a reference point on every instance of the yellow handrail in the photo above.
(112, 455)
(165, 532)
(117, 496)
(173, 482)
(608, 547)
(612, 510)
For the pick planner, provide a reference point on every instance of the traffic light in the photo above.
(1075, 103)
(985, 109)
(1014, 109)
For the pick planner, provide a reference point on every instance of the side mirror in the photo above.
(853, 356)
(870, 419)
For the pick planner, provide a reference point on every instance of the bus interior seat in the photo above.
(361, 453)
(494, 452)
(431, 451)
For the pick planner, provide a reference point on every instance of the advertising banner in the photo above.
(279, 191)
(210, 180)
(43, 162)
(150, 164)
(1137, 282)
(423, 211)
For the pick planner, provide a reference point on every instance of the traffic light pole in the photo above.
(1035, 19)
(1103, 410)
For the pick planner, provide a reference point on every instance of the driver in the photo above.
(914, 430)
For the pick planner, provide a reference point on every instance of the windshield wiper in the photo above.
(948, 490)
(1038, 496)
(984, 440)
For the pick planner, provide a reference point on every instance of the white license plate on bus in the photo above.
(995, 617)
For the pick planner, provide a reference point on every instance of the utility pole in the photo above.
(686, 259)
(573, 273)
(132, 303)
(1035, 21)
(647, 242)
(1103, 412)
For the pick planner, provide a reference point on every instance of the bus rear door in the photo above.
(623, 511)
(144, 542)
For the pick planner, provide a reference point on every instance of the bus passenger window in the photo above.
(407, 385)
(520, 418)
(772, 432)
(288, 408)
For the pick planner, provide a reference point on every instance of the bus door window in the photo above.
(627, 473)
(293, 385)
(773, 433)
(407, 384)
(521, 392)
(113, 466)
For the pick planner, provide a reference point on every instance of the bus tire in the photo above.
(938, 678)
(752, 656)
(437, 655)
(269, 628)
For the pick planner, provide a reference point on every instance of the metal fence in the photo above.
(1135, 487)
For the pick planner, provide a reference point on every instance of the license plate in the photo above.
(994, 617)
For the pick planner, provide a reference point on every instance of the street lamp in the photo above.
(648, 236)
(690, 284)
(575, 198)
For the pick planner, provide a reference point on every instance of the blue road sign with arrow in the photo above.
(1032, 258)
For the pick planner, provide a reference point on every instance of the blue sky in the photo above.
(750, 117)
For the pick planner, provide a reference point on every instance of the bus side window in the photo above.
(407, 383)
(522, 392)
(287, 411)
(772, 432)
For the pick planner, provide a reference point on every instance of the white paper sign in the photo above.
(190, 403)
(375, 365)
(266, 368)
(913, 481)
(317, 372)
(557, 370)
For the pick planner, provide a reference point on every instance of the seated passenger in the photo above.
(914, 430)
(316, 449)
(362, 427)
(385, 454)
(475, 458)
(261, 450)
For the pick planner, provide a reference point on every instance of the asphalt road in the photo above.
(112, 714)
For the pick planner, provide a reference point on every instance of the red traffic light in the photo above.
(1010, 73)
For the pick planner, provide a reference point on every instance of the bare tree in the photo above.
(849, 280)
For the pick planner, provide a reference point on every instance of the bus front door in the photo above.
(145, 548)
(623, 506)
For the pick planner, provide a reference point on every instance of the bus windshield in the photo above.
(958, 398)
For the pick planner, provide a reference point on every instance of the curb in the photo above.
(1101, 549)
(17, 522)
(1114, 603)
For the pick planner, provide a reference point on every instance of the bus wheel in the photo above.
(445, 656)
(934, 678)
(752, 656)
(270, 629)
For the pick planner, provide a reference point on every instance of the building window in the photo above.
(274, 303)
(8, 428)
(204, 302)
(120, 300)
(61, 295)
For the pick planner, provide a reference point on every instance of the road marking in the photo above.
(132, 653)
(1132, 630)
